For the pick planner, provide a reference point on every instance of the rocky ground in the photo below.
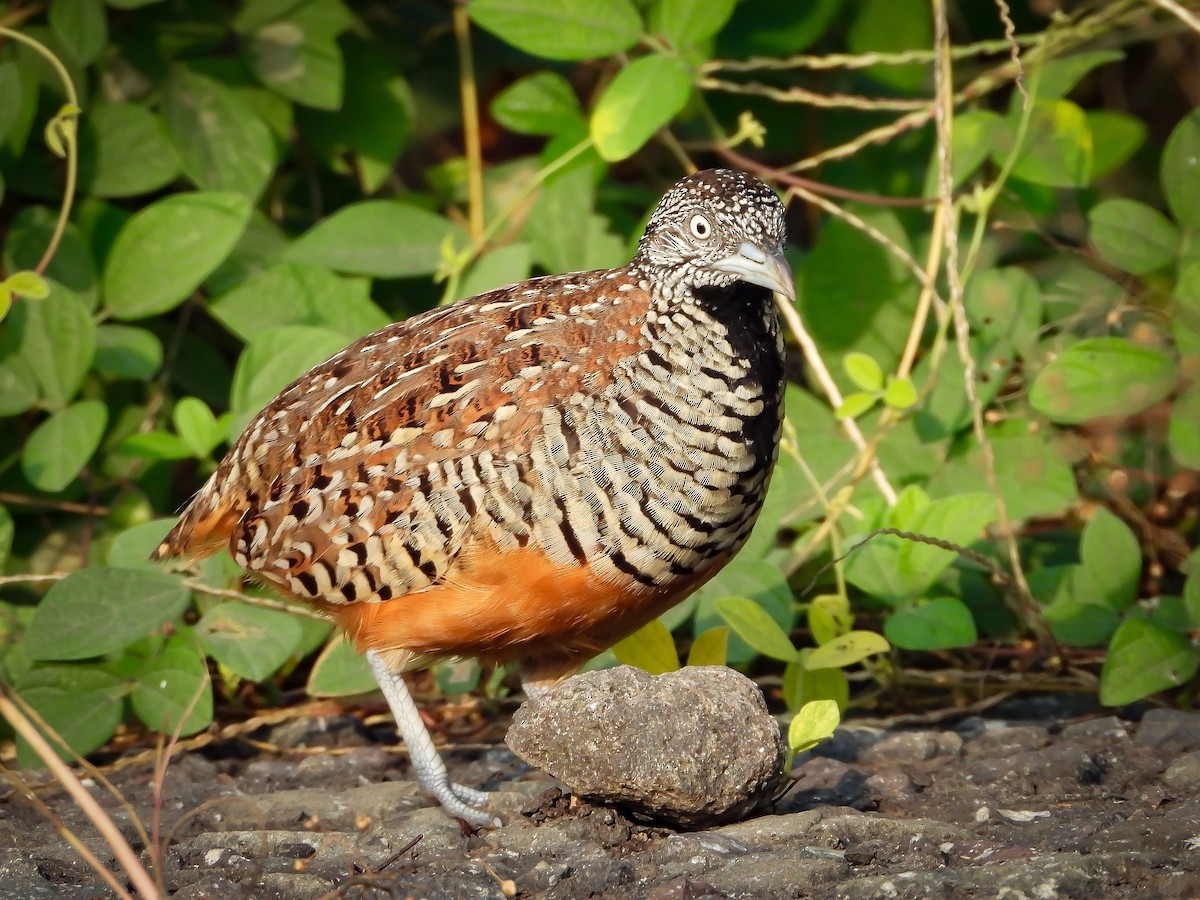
(1043, 802)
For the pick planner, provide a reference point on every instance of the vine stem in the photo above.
(944, 125)
(64, 212)
(470, 112)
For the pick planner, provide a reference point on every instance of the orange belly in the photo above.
(513, 606)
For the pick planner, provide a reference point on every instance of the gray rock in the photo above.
(689, 748)
(1160, 727)
(1184, 773)
(912, 746)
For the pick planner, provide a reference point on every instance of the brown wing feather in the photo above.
(449, 383)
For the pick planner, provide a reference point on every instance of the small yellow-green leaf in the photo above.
(900, 393)
(854, 405)
(816, 721)
(709, 648)
(829, 616)
(651, 647)
(756, 627)
(863, 371)
(847, 650)
(28, 284)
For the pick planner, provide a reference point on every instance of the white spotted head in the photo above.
(715, 228)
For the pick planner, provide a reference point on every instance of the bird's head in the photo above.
(718, 227)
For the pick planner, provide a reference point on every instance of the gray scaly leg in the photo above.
(458, 800)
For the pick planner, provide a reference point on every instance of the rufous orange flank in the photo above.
(527, 475)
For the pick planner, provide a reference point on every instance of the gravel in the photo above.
(1094, 806)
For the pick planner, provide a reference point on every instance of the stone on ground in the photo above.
(690, 748)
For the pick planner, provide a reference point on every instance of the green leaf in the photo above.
(28, 284)
(710, 647)
(61, 446)
(98, 610)
(340, 671)
(251, 641)
(974, 131)
(802, 685)
(1078, 623)
(271, 362)
(504, 265)
(893, 26)
(10, 86)
(156, 446)
(895, 570)
(7, 530)
(173, 692)
(938, 624)
(298, 293)
(1099, 377)
(755, 579)
(54, 339)
(1116, 137)
(73, 266)
(196, 424)
(643, 98)
(863, 371)
(1183, 430)
(222, 142)
(81, 704)
(375, 92)
(1133, 236)
(1004, 307)
(1060, 75)
(689, 23)
(855, 405)
(846, 650)
(829, 616)
(124, 351)
(565, 29)
(378, 238)
(1112, 558)
(1058, 146)
(81, 27)
(563, 231)
(166, 250)
(299, 59)
(541, 103)
(901, 393)
(1144, 659)
(756, 627)
(18, 387)
(1028, 464)
(131, 548)
(854, 295)
(1180, 174)
(125, 151)
(814, 722)
(651, 647)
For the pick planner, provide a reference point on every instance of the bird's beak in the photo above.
(766, 268)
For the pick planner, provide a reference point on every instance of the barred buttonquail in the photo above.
(527, 475)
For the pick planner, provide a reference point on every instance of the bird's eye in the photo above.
(701, 227)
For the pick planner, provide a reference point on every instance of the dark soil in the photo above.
(1041, 807)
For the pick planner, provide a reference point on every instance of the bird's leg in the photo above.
(458, 800)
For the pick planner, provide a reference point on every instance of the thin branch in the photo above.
(470, 113)
(100, 819)
(1184, 15)
(813, 356)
